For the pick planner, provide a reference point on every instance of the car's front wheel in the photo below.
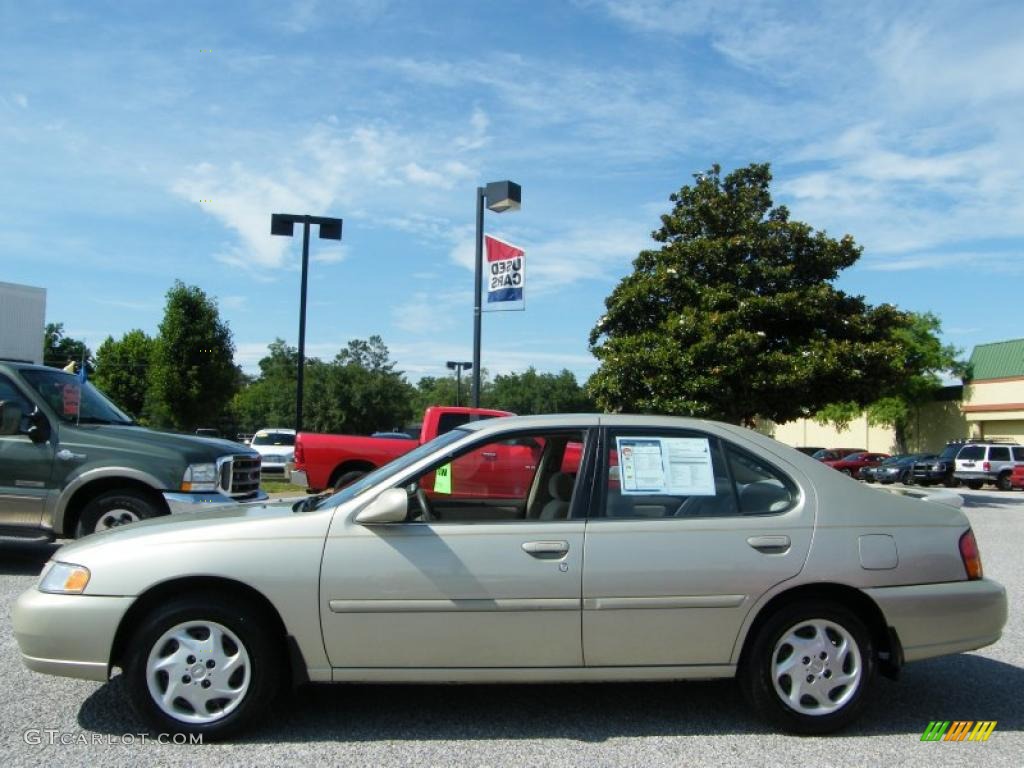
(809, 667)
(115, 508)
(203, 666)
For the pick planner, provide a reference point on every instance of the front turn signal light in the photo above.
(64, 579)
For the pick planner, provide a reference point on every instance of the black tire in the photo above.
(756, 673)
(115, 508)
(1003, 482)
(907, 478)
(846, 472)
(868, 478)
(346, 479)
(975, 485)
(951, 482)
(266, 657)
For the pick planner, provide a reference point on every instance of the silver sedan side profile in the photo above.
(527, 549)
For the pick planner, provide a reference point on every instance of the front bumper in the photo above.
(192, 502)
(939, 619)
(67, 635)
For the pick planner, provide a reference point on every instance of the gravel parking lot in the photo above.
(49, 720)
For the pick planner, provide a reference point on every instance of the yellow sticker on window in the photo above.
(443, 479)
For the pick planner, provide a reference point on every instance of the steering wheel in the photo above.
(421, 498)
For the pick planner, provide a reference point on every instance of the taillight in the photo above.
(986, 466)
(299, 457)
(971, 556)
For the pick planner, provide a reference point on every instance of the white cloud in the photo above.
(21, 100)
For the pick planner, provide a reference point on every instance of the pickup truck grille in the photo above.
(240, 476)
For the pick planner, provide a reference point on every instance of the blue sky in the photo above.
(899, 123)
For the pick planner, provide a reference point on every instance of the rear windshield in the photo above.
(971, 453)
(274, 438)
(950, 451)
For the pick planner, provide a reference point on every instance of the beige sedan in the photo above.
(532, 549)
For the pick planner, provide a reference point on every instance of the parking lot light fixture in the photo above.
(329, 229)
(458, 367)
(498, 196)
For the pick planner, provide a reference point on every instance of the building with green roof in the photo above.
(994, 398)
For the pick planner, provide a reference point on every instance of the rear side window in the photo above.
(999, 453)
(1018, 454)
(449, 421)
(971, 453)
(760, 488)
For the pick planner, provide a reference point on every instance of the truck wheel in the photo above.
(1003, 483)
(203, 665)
(346, 479)
(975, 485)
(809, 667)
(114, 508)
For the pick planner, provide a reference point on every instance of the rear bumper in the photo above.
(985, 477)
(192, 502)
(299, 478)
(67, 635)
(939, 619)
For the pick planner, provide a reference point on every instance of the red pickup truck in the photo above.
(332, 461)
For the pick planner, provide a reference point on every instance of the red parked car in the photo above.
(852, 465)
(1017, 477)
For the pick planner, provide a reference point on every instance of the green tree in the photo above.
(736, 315)
(531, 392)
(439, 390)
(122, 370)
(923, 359)
(269, 401)
(192, 375)
(59, 349)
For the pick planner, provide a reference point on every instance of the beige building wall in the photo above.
(932, 427)
(995, 408)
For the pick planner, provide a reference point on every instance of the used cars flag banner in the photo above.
(505, 274)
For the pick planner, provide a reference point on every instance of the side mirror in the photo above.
(390, 507)
(39, 432)
(10, 418)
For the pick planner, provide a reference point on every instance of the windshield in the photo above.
(73, 401)
(392, 468)
(951, 451)
(273, 438)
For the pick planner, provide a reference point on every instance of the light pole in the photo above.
(458, 367)
(330, 229)
(500, 196)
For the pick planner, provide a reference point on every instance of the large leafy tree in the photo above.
(736, 315)
(530, 392)
(192, 375)
(122, 370)
(923, 359)
(269, 401)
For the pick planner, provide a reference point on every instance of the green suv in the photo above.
(72, 463)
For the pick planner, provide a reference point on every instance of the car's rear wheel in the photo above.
(1003, 482)
(113, 509)
(809, 667)
(846, 472)
(203, 666)
(345, 479)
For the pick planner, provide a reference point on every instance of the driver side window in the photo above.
(528, 476)
(10, 394)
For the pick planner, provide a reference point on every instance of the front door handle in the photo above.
(770, 545)
(546, 549)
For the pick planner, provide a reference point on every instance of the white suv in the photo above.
(983, 462)
(277, 447)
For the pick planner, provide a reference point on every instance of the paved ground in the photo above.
(593, 725)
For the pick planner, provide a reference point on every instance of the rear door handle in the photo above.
(546, 549)
(770, 545)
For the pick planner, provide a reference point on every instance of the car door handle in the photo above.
(546, 549)
(489, 455)
(770, 545)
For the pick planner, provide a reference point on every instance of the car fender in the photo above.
(60, 502)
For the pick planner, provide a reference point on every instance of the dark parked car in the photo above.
(895, 469)
(940, 469)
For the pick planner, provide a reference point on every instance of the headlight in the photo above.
(64, 579)
(199, 477)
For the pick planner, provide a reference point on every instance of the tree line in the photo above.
(735, 317)
(185, 378)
